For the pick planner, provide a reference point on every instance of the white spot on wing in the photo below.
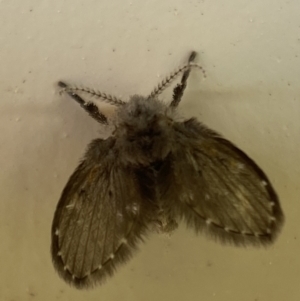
(133, 209)
(264, 183)
(191, 196)
(70, 206)
(124, 241)
(240, 166)
(208, 221)
(120, 217)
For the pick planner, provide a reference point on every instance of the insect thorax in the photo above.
(144, 130)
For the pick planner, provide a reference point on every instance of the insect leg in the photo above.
(179, 89)
(89, 107)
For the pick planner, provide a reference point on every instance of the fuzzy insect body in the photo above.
(156, 169)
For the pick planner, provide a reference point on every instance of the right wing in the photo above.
(218, 189)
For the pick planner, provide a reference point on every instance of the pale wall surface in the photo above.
(251, 52)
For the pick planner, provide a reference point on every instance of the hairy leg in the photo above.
(89, 107)
(179, 89)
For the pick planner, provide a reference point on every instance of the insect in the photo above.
(155, 169)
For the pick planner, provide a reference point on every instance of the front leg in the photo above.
(179, 89)
(89, 107)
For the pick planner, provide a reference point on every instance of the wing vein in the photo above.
(88, 236)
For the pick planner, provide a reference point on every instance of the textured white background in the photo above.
(251, 52)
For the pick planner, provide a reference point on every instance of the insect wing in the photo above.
(221, 191)
(95, 226)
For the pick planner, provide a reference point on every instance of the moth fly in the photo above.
(155, 168)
